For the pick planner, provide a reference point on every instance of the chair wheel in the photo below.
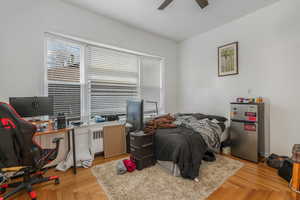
(57, 181)
(2, 190)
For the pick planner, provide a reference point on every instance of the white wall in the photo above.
(269, 52)
(22, 27)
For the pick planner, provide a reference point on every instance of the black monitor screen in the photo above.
(135, 114)
(32, 106)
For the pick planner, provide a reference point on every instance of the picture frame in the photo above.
(228, 59)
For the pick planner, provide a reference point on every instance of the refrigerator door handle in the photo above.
(244, 121)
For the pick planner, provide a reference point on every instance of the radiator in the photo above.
(97, 139)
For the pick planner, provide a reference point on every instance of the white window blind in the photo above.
(113, 78)
(63, 76)
(151, 85)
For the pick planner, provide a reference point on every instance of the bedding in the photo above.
(218, 119)
(209, 130)
(170, 167)
(200, 116)
(183, 146)
(186, 145)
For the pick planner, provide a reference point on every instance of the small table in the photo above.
(70, 132)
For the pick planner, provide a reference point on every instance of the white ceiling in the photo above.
(180, 20)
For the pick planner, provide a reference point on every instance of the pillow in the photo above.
(200, 116)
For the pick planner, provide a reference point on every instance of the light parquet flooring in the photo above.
(252, 182)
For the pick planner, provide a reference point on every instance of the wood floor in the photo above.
(252, 182)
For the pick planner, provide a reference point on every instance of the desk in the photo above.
(70, 132)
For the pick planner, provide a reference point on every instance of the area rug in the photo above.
(154, 183)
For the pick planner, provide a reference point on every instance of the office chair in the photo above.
(19, 153)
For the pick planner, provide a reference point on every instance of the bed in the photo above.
(180, 150)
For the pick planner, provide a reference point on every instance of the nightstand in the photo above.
(142, 149)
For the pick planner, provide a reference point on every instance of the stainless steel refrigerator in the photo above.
(247, 130)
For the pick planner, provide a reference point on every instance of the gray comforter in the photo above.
(183, 146)
(210, 131)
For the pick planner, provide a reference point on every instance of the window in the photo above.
(151, 84)
(113, 78)
(63, 77)
(85, 79)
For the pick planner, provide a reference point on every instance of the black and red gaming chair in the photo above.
(19, 152)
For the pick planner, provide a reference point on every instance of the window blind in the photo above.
(113, 78)
(63, 73)
(151, 84)
(66, 98)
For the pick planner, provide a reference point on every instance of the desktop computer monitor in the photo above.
(32, 106)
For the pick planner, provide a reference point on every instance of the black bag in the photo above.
(286, 170)
(276, 161)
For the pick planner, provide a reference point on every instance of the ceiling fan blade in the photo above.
(164, 4)
(202, 3)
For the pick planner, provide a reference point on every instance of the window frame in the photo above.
(85, 107)
(46, 83)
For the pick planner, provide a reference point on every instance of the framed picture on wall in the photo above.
(228, 59)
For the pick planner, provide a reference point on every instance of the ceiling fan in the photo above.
(201, 3)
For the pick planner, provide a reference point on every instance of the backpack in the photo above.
(276, 161)
(286, 170)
